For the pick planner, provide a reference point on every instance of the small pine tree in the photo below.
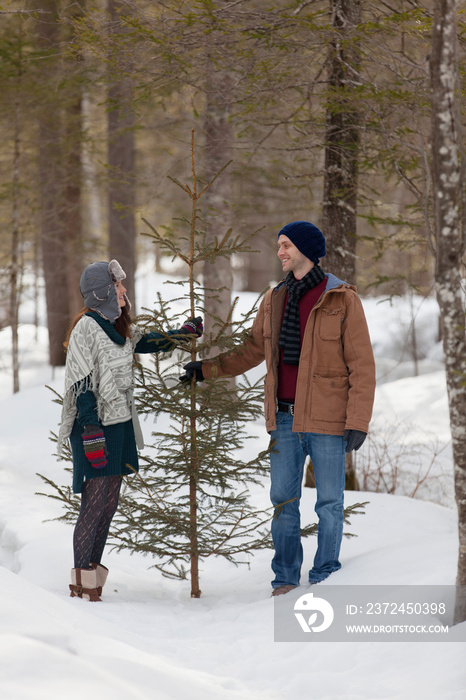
(190, 499)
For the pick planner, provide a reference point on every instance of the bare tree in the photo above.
(121, 157)
(73, 118)
(15, 234)
(53, 234)
(342, 141)
(341, 153)
(449, 244)
(72, 213)
(218, 134)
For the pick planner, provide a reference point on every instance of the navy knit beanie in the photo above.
(308, 239)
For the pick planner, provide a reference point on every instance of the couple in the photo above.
(319, 391)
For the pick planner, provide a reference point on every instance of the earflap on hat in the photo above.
(128, 303)
(117, 274)
(115, 271)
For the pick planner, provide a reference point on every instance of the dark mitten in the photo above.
(94, 446)
(192, 369)
(193, 325)
(353, 439)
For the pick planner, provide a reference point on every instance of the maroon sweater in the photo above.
(288, 374)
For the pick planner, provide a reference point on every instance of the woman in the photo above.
(98, 413)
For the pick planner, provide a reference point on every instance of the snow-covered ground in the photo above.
(148, 640)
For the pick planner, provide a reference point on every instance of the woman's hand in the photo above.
(94, 446)
(193, 325)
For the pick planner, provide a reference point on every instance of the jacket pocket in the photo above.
(330, 324)
(329, 398)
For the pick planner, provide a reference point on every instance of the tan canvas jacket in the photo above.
(336, 376)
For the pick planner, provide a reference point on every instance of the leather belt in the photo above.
(286, 408)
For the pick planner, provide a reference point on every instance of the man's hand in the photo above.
(192, 369)
(353, 439)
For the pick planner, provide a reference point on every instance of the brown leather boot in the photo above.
(84, 584)
(102, 573)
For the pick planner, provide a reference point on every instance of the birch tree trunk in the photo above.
(446, 180)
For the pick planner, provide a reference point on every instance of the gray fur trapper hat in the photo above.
(97, 287)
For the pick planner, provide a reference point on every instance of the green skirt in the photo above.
(122, 457)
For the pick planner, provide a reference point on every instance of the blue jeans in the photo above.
(286, 472)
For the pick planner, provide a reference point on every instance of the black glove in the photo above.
(192, 369)
(353, 439)
(193, 325)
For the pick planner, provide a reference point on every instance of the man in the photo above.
(319, 391)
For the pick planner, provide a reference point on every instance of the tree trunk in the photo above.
(218, 134)
(342, 143)
(73, 174)
(121, 163)
(262, 267)
(53, 234)
(72, 219)
(447, 185)
(193, 505)
(341, 155)
(15, 245)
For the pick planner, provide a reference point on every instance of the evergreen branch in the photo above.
(279, 507)
(151, 498)
(209, 184)
(185, 188)
(59, 398)
(226, 323)
(229, 536)
(355, 509)
(165, 242)
(65, 496)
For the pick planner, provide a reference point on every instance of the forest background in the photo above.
(345, 113)
(323, 107)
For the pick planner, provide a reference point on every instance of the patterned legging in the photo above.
(99, 501)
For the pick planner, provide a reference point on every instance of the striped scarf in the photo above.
(290, 335)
